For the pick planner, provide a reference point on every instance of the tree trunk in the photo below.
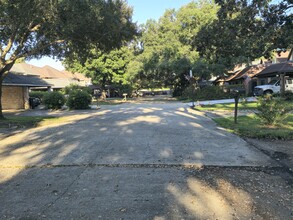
(282, 84)
(1, 113)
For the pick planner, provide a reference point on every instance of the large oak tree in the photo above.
(166, 52)
(60, 28)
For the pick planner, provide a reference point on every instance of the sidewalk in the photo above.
(222, 101)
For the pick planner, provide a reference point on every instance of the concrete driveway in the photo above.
(130, 161)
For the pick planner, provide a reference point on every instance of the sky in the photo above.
(142, 11)
(146, 9)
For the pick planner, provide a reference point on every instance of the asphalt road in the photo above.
(137, 161)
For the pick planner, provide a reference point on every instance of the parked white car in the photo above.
(273, 87)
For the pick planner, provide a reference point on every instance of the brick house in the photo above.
(15, 90)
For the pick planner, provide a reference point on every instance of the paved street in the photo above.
(137, 161)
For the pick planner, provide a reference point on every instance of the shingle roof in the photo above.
(14, 79)
(237, 74)
(48, 72)
(252, 71)
(43, 72)
(60, 83)
(286, 67)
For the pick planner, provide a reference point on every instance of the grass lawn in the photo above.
(230, 106)
(251, 126)
(30, 121)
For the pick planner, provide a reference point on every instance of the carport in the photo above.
(279, 70)
(15, 90)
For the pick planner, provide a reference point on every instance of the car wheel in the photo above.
(268, 92)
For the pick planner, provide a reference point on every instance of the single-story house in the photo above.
(279, 71)
(15, 90)
(260, 74)
(58, 79)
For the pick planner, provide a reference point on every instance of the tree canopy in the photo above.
(34, 28)
(166, 54)
(104, 68)
(245, 30)
(160, 57)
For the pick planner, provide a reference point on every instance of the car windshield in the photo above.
(273, 82)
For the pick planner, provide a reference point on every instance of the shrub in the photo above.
(189, 93)
(73, 87)
(38, 94)
(271, 110)
(288, 96)
(124, 88)
(206, 93)
(79, 100)
(54, 100)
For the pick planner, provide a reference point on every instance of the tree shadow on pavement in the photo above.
(132, 162)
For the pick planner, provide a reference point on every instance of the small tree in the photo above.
(272, 111)
(54, 100)
(79, 100)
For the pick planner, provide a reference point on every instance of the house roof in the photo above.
(16, 79)
(286, 67)
(50, 72)
(238, 74)
(60, 83)
(252, 71)
(43, 72)
(77, 76)
(26, 68)
(58, 79)
(47, 72)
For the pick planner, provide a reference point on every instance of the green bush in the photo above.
(73, 87)
(38, 94)
(288, 96)
(206, 93)
(124, 88)
(188, 93)
(271, 110)
(54, 100)
(79, 100)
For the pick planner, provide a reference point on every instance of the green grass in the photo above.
(28, 121)
(231, 106)
(251, 126)
(228, 107)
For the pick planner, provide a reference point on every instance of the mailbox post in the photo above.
(125, 97)
(236, 98)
